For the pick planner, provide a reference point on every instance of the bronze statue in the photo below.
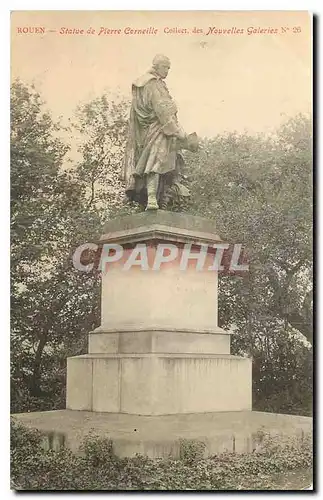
(153, 162)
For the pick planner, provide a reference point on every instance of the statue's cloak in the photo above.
(153, 127)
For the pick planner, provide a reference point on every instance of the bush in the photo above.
(97, 468)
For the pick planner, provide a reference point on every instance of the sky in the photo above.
(220, 82)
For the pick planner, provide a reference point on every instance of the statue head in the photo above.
(161, 65)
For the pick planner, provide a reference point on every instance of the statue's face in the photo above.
(162, 69)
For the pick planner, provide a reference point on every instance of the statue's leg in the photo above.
(152, 187)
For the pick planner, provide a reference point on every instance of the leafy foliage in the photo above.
(101, 126)
(53, 211)
(259, 191)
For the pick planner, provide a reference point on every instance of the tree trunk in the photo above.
(34, 385)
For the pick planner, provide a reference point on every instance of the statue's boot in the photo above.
(152, 186)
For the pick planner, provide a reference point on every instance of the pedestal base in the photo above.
(159, 384)
(160, 436)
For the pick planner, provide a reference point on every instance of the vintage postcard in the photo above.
(161, 250)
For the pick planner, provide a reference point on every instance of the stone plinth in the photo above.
(160, 436)
(170, 340)
(159, 384)
(170, 297)
(159, 349)
(159, 368)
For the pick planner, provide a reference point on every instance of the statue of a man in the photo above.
(153, 161)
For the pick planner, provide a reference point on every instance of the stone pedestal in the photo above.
(159, 369)
(159, 349)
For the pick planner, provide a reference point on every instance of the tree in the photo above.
(102, 126)
(57, 205)
(51, 310)
(259, 191)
